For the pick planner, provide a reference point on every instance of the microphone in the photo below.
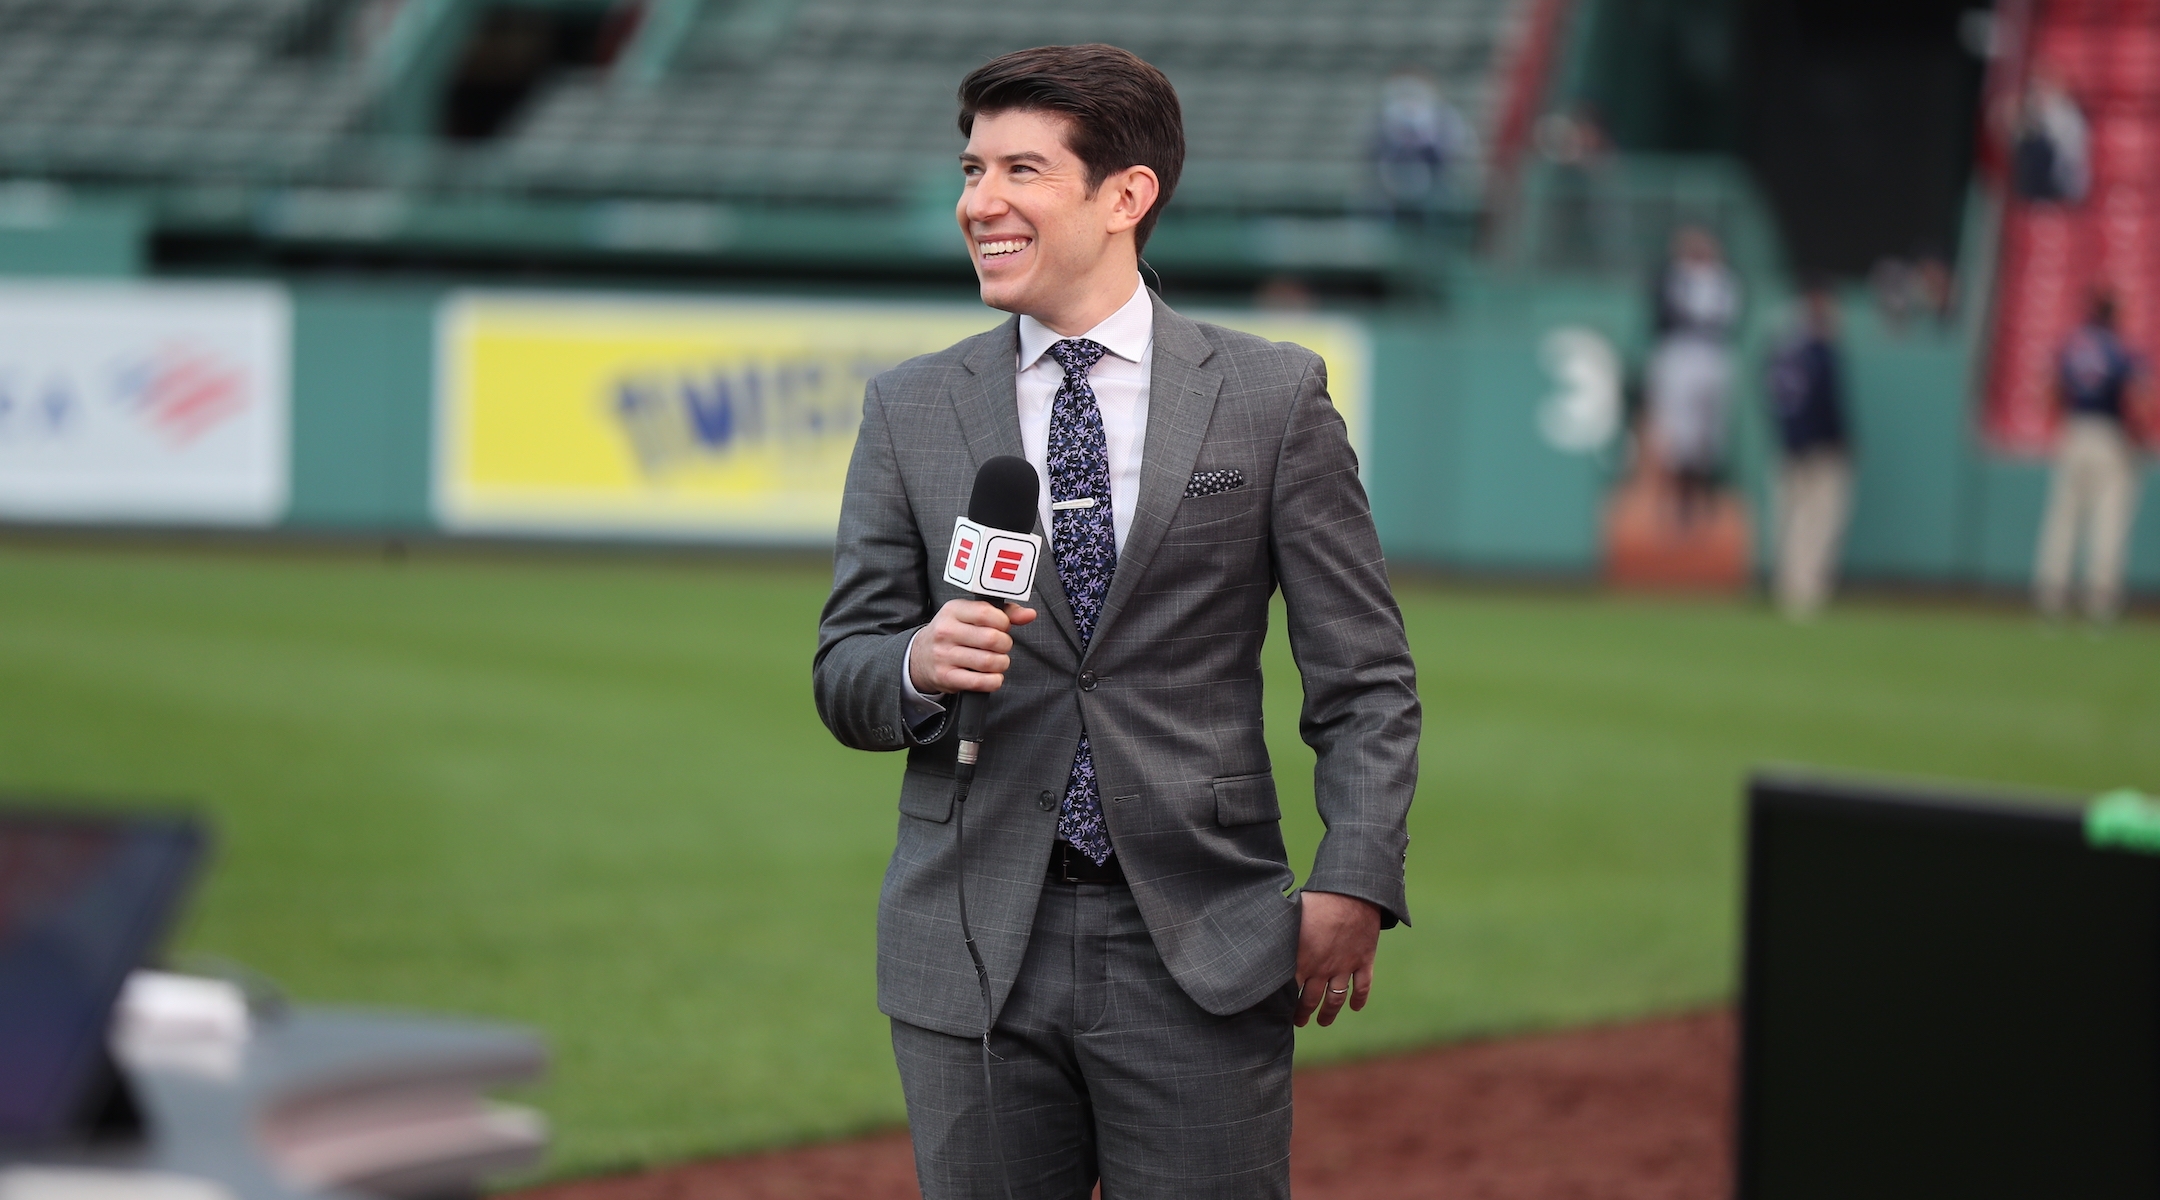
(992, 552)
(993, 556)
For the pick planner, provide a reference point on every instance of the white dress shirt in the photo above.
(1120, 381)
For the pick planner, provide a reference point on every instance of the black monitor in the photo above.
(1946, 995)
(84, 899)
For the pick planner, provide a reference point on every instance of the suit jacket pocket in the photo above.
(926, 796)
(1246, 799)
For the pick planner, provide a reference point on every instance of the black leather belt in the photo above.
(1068, 865)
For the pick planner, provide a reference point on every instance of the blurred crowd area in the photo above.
(1706, 245)
(1289, 107)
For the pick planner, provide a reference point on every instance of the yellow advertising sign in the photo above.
(730, 420)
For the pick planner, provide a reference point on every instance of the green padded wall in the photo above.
(1460, 475)
(363, 398)
(46, 232)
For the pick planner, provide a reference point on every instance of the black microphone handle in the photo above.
(973, 715)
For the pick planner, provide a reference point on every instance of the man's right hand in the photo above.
(965, 648)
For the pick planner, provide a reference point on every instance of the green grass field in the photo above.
(592, 796)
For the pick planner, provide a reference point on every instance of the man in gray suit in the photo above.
(1125, 867)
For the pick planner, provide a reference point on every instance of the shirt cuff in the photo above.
(917, 709)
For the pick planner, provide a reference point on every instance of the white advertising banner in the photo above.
(144, 403)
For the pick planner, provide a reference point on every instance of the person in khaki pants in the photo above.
(2095, 486)
(1815, 470)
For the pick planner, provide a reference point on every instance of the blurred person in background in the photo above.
(1814, 484)
(1935, 285)
(1420, 142)
(1925, 287)
(1589, 213)
(1284, 293)
(1896, 295)
(1688, 383)
(2050, 147)
(2095, 486)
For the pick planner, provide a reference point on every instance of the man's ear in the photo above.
(1130, 193)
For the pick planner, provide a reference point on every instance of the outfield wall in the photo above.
(1481, 439)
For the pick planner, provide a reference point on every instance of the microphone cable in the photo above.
(1006, 490)
(971, 718)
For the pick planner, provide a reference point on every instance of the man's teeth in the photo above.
(992, 249)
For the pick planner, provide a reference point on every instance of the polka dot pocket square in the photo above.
(1214, 483)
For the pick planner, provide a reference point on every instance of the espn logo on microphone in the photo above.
(992, 562)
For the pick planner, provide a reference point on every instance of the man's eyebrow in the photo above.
(1026, 156)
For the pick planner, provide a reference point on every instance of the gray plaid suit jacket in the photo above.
(1169, 689)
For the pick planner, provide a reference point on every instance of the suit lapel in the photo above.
(1181, 403)
(988, 405)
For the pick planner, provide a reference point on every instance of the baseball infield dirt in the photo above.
(1641, 1111)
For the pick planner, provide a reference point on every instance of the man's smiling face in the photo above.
(1034, 230)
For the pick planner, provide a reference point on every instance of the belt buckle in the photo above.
(1065, 874)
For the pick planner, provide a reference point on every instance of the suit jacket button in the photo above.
(1087, 681)
(1046, 802)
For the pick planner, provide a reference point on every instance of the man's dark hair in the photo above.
(1124, 113)
(2101, 310)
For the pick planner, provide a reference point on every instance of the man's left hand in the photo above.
(1336, 941)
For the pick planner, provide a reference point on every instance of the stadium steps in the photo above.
(852, 100)
(826, 100)
(135, 89)
(730, 134)
(2052, 256)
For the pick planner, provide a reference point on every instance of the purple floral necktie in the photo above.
(1085, 544)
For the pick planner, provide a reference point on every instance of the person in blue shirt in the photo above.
(1814, 486)
(2095, 487)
